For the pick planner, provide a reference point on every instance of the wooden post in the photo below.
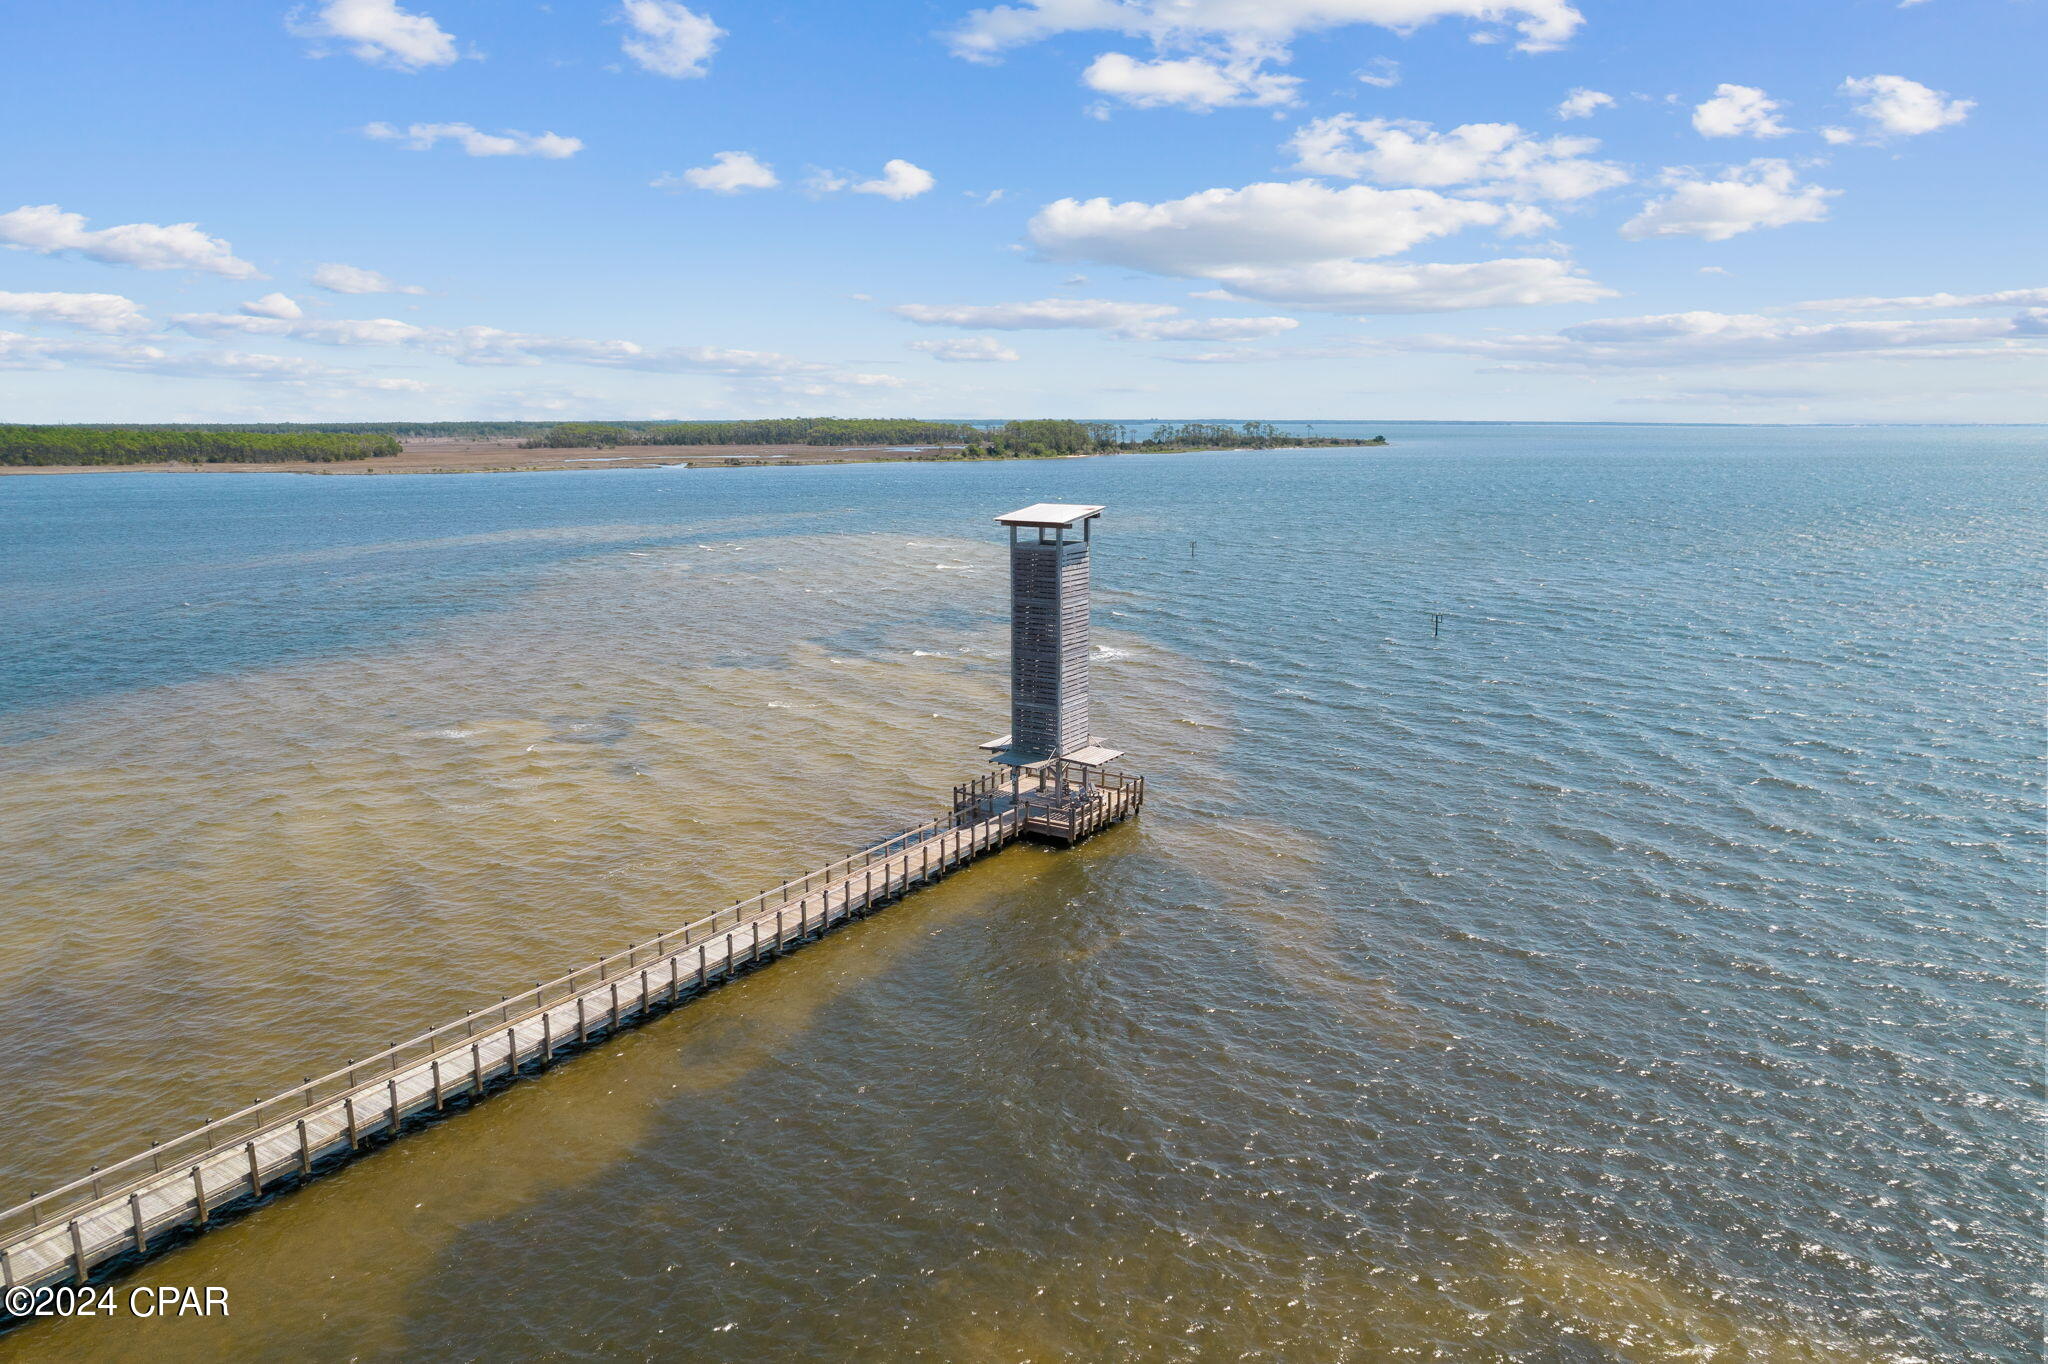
(393, 1085)
(305, 1149)
(348, 1105)
(547, 1036)
(77, 1253)
(255, 1173)
(476, 1059)
(135, 1211)
(646, 996)
(582, 1021)
(199, 1195)
(615, 1008)
(700, 964)
(437, 1083)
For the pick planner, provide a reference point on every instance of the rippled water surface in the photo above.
(1645, 967)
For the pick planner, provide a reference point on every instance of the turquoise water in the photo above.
(1643, 963)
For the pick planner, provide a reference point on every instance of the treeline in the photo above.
(774, 431)
(1048, 439)
(1045, 439)
(43, 445)
(474, 430)
(1220, 436)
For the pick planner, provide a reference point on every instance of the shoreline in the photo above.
(435, 455)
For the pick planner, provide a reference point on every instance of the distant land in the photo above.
(476, 447)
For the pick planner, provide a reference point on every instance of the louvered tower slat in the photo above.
(1049, 646)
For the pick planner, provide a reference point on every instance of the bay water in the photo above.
(1588, 905)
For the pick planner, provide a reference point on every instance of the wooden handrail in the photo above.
(222, 1134)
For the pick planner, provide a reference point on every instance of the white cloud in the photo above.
(47, 229)
(1738, 111)
(18, 351)
(273, 305)
(21, 351)
(250, 365)
(1382, 72)
(1225, 357)
(1263, 224)
(1351, 286)
(1246, 27)
(669, 39)
(1211, 329)
(1725, 396)
(1298, 243)
(1583, 103)
(1044, 314)
(379, 32)
(340, 331)
(1903, 108)
(1764, 193)
(91, 312)
(1127, 321)
(1837, 137)
(478, 345)
(1725, 339)
(354, 279)
(967, 350)
(728, 173)
(898, 180)
(1494, 159)
(474, 142)
(1196, 83)
(1999, 298)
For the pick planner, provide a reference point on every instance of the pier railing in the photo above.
(107, 1185)
(1075, 814)
(233, 1161)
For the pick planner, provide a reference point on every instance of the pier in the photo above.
(119, 1214)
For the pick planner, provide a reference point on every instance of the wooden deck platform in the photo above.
(119, 1214)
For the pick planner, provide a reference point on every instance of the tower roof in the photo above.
(1049, 514)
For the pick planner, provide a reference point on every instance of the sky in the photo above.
(1608, 210)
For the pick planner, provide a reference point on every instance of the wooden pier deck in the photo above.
(124, 1212)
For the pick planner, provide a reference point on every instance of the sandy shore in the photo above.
(443, 455)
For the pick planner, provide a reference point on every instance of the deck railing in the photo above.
(1082, 810)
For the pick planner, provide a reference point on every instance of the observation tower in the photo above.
(1055, 764)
